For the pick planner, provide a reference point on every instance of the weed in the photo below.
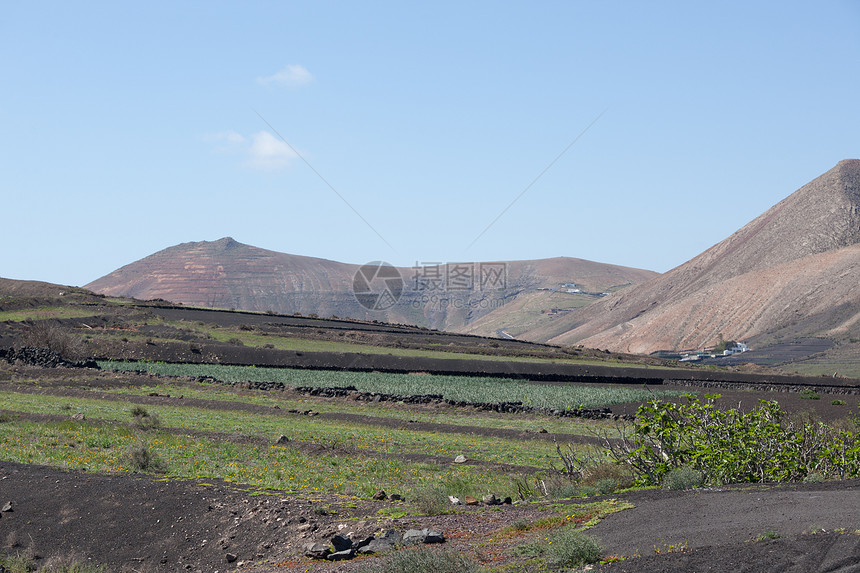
(143, 459)
(520, 525)
(144, 420)
(838, 403)
(767, 536)
(683, 478)
(422, 560)
(664, 548)
(565, 547)
(431, 500)
(809, 394)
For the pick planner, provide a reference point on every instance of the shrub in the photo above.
(572, 548)
(838, 403)
(143, 419)
(608, 477)
(731, 446)
(143, 459)
(809, 394)
(431, 500)
(564, 548)
(423, 560)
(54, 337)
(683, 478)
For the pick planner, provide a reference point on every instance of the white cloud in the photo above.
(292, 75)
(261, 150)
(268, 152)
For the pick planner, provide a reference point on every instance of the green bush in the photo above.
(563, 548)
(424, 560)
(572, 548)
(683, 478)
(809, 394)
(729, 446)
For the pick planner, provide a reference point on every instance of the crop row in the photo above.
(567, 396)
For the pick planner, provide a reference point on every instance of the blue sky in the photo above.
(126, 128)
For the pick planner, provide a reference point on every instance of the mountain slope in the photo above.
(229, 274)
(769, 272)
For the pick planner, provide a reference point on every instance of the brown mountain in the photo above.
(797, 261)
(229, 274)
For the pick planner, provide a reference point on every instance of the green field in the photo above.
(566, 396)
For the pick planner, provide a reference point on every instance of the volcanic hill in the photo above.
(229, 274)
(795, 269)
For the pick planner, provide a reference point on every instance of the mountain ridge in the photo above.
(821, 217)
(229, 274)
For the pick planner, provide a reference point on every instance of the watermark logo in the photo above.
(377, 285)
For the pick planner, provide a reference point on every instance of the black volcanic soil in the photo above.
(138, 523)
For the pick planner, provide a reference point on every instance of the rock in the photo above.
(316, 550)
(79, 417)
(396, 497)
(341, 543)
(341, 555)
(282, 440)
(432, 536)
(507, 501)
(461, 459)
(386, 542)
(469, 500)
(230, 557)
(7, 506)
(414, 537)
(357, 545)
(380, 495)
(454, 500)
(491, 499)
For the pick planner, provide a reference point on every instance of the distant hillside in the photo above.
(798, 260)
(229, 274)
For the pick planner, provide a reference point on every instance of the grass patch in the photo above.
(333, 434)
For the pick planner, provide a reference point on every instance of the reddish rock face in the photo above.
(797, 261)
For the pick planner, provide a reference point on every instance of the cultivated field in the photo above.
(156, 466)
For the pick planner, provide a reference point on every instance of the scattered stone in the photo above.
(454, 500)
(491, 499)
(79, 417)
(415, 536)
(282, 439)
(7, 507)
(341, 542)
(386, 542)
(380, 495)
(363, 543)
(507, 501)
(461, 459)
(230, 557)
(469, 500)
(316, 550)
(396, 497)
(341, 555)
